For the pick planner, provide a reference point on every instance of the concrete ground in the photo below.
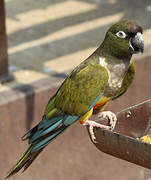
(46, 40)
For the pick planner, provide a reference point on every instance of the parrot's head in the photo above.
(124, 39)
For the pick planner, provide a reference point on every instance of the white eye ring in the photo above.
(121, 34)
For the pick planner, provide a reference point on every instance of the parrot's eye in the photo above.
(121, 34)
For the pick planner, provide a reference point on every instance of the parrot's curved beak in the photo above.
(137, 43)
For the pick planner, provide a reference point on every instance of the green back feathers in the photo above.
(51, 110)
(81, 88)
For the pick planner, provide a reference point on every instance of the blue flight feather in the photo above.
(47, 122)
(68, 120)
(42, 132)
(46, 141)
(59, 124)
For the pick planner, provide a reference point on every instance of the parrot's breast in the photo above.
(116, 72)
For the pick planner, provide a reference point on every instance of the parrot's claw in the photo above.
(93, 124)
(110, 116)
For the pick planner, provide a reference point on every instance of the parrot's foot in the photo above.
(93, 124)
(110, 116)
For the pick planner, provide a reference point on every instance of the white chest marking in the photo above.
(104, 64)
(115, 80)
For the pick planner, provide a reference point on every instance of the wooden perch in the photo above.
(133, 123)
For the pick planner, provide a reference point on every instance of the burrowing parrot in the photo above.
(103, 76)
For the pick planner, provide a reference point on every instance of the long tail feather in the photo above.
(39, 137)
(24, 161)
(35, 154)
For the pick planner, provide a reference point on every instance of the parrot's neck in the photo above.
(116, 54)
(113, 59)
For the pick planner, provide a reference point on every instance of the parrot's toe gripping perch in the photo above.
(106, 114)
(110, 116)
(93, 124)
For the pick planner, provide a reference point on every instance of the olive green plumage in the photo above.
(103, 76)
(81, 88)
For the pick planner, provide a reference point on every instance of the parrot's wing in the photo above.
(76, 96)
(81, 89)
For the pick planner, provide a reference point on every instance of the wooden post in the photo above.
(4, 74)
